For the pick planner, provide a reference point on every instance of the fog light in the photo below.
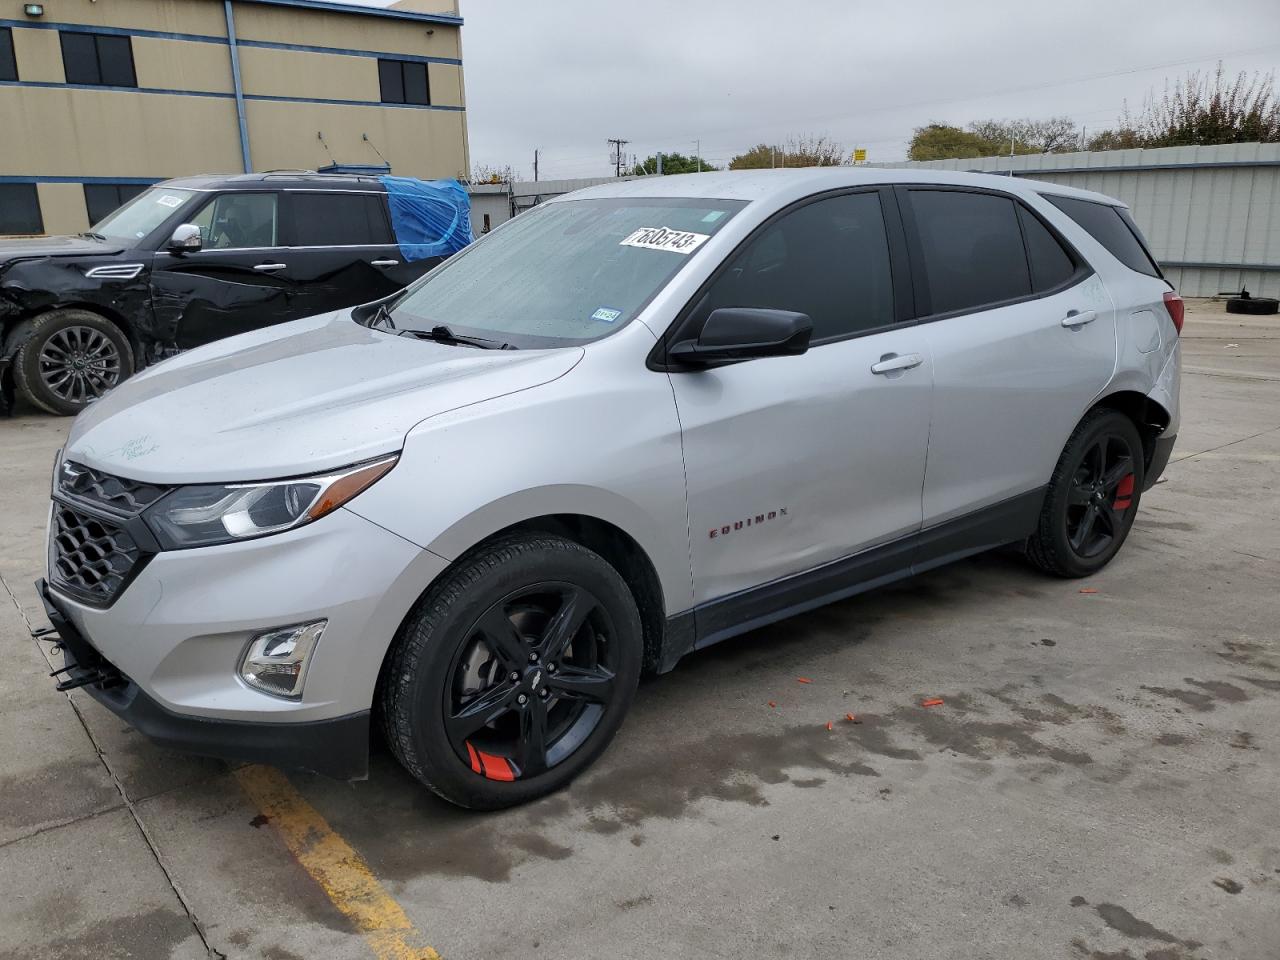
(276, 662)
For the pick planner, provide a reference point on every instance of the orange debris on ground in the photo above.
(803, 680)
(932, 702)
(1088, 589)
(830, 725)
(773, 703)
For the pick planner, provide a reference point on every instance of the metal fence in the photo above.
(1211, 214)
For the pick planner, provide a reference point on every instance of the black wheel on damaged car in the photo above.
(513, 672)
(1092, 498)
(71, 359)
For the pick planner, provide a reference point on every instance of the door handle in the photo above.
(385, 263)
(270, 267)
(892, 361)
(1078, 318)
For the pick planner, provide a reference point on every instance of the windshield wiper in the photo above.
(442, 334)
(91, 235)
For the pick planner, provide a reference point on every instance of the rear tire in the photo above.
(70, 360)
(1092, 498)
(513, 672)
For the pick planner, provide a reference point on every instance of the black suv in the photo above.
(190, 261)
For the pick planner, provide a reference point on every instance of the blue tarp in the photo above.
(430, 218)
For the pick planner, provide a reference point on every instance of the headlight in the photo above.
(198, 516)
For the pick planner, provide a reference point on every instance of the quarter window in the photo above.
(1051, 265)
(98, 59)
(972, 249)
(8, 63)
(103, 199)
(238, 220)
(338, 219)
(20, 209)
(1111, 228)
(828, 259)
(404, 81)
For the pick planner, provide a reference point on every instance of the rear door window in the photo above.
(1051, 265)
(1111, 227)
(828, 259)
(972, 249)
(338, 219)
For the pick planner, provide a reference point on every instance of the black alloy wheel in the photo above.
(1100, 495)
(1092, 497)
(513, 672)
(532, 681)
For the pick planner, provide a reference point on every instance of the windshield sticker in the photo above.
(713, 216)
(169, 200)
(664, 238)
(607, 315)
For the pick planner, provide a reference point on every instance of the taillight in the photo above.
(1177, 309)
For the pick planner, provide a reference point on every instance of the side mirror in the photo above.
(744, 333)
(186, 239)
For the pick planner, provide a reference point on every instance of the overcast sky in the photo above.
(566, 75)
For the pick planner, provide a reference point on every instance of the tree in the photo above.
(487, 174)
(803, 151)
(672, 163)
(938, 141)
(1198, 109)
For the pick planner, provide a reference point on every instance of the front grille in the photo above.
(115, 493)
(90, 559)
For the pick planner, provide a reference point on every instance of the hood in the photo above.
(292, 399)
(27, 248)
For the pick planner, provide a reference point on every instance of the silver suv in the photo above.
(631, 423)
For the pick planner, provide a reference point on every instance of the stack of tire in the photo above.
(1259, 306)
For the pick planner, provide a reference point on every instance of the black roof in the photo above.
(279, 179)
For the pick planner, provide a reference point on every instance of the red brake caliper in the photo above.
(487, 765)
(1124, 493)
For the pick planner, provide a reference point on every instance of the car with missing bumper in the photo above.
(192, 260)
(635, 421)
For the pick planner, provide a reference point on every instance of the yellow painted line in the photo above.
(341, 872)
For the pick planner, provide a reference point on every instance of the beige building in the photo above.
(99, 98)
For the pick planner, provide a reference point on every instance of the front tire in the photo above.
(1092, 498)
(70, 360)
(513, 672)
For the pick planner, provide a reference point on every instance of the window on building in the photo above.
(1051, 265)
(1112, 228)
(20, 209)
(828, 259)
(103, 199)
(238, 220)
(404, 81)
(338, 219)
(8, 63)
(972, 247)
(98, 59)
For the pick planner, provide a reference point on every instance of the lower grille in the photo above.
(90, 559)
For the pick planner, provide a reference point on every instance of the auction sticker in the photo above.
(169, 200)
(606, 314)
(664, 238)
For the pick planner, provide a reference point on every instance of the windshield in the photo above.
(564, 273)
(142, 214)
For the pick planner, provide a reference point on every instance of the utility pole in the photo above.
(659, 163)
(535, 166)
(698, 145)
(618, 144)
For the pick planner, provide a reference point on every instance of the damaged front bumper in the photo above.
(337, 747)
